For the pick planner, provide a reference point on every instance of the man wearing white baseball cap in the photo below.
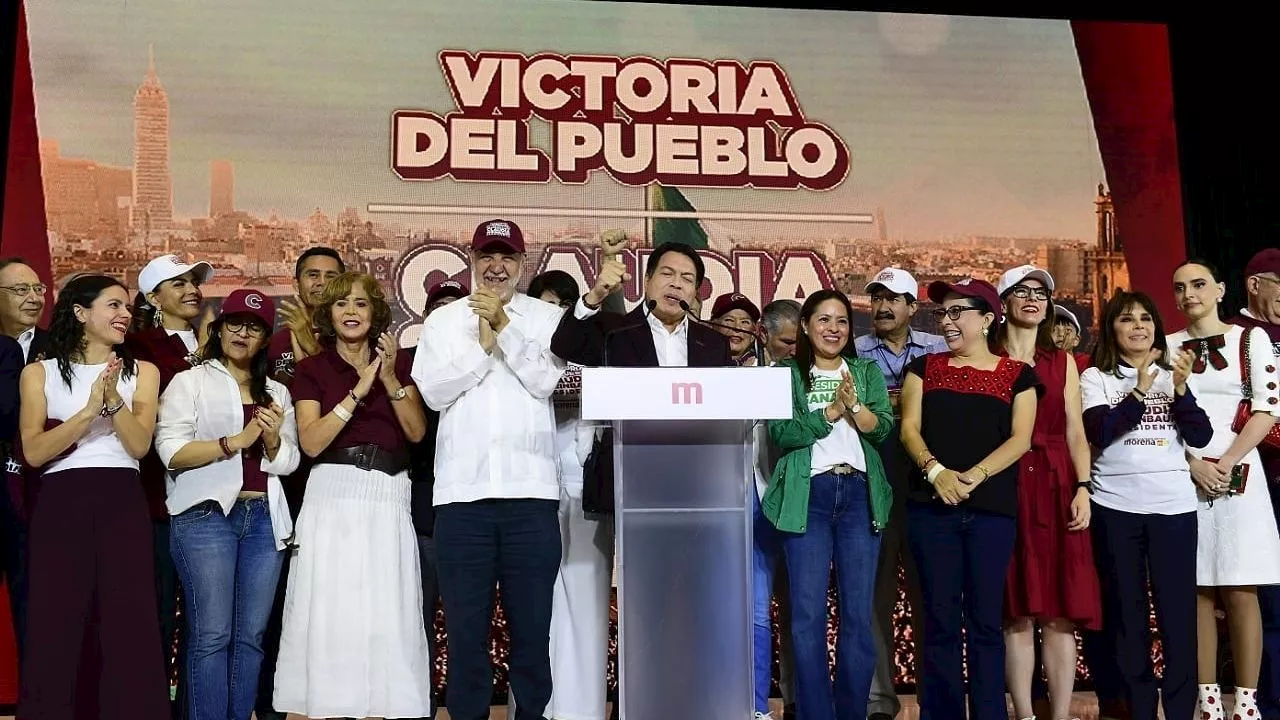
(163, 333)
(893, 344)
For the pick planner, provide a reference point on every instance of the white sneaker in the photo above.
(762, 716)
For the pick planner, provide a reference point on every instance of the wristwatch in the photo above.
(399, 394)
(857, 408)
(1086, 484)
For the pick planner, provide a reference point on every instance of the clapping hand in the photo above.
(111, 381)
(295, 317)
(387, 350)
(367, 376)
(486, 304)
(847, 392)
(1182, 364)
(1145, 377)
(268, 420)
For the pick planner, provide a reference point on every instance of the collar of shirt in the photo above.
(659, 329)
(871, 341)
(25, 338)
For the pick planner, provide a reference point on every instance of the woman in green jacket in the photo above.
(830, 497)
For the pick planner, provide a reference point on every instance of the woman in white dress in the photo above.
(1238, 547)
(353, 642)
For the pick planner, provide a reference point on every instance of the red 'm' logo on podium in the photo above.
(686, 393)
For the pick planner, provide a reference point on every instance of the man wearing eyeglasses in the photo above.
(1262, 282)
(21, 304)
(893, 344)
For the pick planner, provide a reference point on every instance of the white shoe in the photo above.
(762, 716)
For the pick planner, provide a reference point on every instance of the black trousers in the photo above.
(514, 544)
(1134, 549)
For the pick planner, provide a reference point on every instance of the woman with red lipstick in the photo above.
(1238, 546)
(354, 642)
(86, 418)
(163, 333)
(967, 418)
(1052, 580)
(830, 498)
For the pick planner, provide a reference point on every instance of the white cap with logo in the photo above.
(895, 280)
(168, 267)
(1023, 272)
(1064, 314)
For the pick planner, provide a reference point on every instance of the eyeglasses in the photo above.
(245, 327)
(954, 312)
(25, 290)
(1022, 292)
(1271, 280)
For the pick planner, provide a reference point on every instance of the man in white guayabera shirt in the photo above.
(485, 364)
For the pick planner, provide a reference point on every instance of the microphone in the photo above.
(759, 348)
(646, 309)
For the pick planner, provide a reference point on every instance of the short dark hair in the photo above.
(1213, 269)
(317, 251)
(699, 269)
(557, 281)
(1106, 351)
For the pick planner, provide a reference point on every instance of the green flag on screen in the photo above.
(685, 230)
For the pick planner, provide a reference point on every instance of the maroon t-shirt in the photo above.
(254, 479)
(327, 378)
(1270, 458)
(280, 362)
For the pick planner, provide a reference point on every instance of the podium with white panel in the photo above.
(684, 463)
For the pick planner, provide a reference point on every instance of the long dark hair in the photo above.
(66, 333)
(1106, 351)
(257, 365)
(144, 314)
(804, 347)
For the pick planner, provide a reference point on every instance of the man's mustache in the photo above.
(884, 316)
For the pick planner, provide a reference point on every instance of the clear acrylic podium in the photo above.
(684, 463)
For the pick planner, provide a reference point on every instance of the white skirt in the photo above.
(353, 642)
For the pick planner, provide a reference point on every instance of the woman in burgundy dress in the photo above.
(163, 333)
(1052, 581)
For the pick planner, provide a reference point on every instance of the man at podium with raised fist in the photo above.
(660, 332)
(485, 364)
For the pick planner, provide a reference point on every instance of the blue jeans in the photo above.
(840, 530)
(963, 556)
(766, 550)
(229, 567)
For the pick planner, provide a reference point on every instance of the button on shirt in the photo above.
(497, 434)
(893, 365)
(672, 346)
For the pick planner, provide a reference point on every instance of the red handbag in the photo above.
(1245, 410)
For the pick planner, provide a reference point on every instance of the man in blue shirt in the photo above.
(892, 344)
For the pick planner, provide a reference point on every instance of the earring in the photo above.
(985, 331)
(157, 318)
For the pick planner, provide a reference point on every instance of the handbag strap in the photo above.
(1246, 374)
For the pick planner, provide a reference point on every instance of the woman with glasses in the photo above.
(967, 418)
(1238, 546)
(1141, 418)
(226, 432)
(830, 499)
(1052, 580)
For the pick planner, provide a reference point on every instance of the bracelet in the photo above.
(934, 472)
(1142, 394)
(343, 414)
(929, 463)
(109, 411)
(352, 394)
(985, 472)
(226, 446)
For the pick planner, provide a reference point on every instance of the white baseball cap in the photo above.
(895, 280)
(1022, 272)
(1064, 314)
(168, 267)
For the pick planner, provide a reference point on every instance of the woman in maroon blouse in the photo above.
(967, 417)
(354, 642)
(163, 333)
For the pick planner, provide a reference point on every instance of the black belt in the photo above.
(367, 457)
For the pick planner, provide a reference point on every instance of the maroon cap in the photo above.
(250, 302)
(498, 234)
(968, 287)
(448, 288)
(1266, 261)
(735, 301)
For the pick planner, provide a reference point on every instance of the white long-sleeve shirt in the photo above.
(203, 403)
(497, 434)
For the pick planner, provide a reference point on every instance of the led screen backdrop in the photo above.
(798, 149)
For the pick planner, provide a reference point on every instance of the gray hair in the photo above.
(779, 313)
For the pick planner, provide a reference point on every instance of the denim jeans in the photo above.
(768, 576)
(840, 531)
(963, 556)
(229, 566)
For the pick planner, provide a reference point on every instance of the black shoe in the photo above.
(879, 716)
(269, 715)
(789, 712)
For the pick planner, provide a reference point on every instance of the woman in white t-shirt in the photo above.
(1140, 417)
(86, 418)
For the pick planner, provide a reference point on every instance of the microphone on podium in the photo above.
(646, 309)
(755, 336)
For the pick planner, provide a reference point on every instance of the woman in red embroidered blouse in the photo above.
(1052, 579)
(967, 417)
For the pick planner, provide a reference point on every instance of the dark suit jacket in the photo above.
(11, 363)
(39, 345)
(422, 473)
(582, 341)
